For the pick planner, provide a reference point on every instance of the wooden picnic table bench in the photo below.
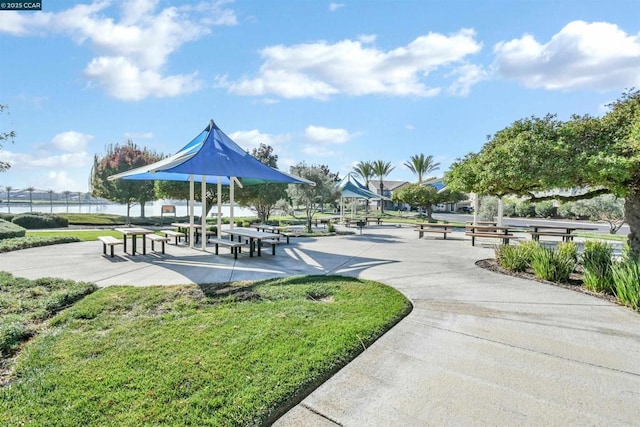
(109, 241)
(427, 227)
(234, 246)
(157, 238)
(489, 231)
(172, 233)
(564, 232)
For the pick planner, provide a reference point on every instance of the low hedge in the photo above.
(36, 221)
(10, 230)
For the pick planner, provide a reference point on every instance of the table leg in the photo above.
(124, 237)
(259, 243)
(251, 243)
(144, 245)
(133, 244)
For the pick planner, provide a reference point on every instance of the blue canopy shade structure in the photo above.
(355, 190)
(211, 157)
(211, 154)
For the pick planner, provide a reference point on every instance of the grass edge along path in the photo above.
(234, 354)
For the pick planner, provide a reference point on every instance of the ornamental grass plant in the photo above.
(597, 262)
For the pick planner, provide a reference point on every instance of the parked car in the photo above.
(465, 209)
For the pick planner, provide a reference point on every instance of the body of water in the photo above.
(154, 209)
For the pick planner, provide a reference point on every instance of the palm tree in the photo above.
(365, 170)
(66, 197)
(50, 200)
(382, 169)
(31, 190)
(421, 165)
(9, 188)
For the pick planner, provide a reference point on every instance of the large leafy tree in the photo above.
(311, 198)
(381, 169)
(535, 157)
(5, 136)
(421, 165)
(424, 197)
(263, 198)
(121, 158)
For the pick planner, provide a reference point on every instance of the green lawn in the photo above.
(195, 355)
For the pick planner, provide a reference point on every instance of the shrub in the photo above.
(565, 210)
(568, 250)
(33, 221)
(9, 230)
(597, 263)
(626, 279)
(510, 257)
(509, 208)
(488, 208)
(545, 209)
(525, 209)
(554, 265)
(17, 243)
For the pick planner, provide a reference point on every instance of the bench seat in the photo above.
(432, 230)
(234, 246)
(505, 237)
(172, 233)
(535, 235)
(157, 238)
(273, 242)
(109, 241)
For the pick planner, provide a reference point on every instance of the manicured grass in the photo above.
(603, 236)
(81, 235)
(195, 355)
(25, 304)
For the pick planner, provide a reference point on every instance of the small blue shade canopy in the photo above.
(211, 154)
(356, 190)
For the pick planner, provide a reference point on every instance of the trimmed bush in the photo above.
(9, 230)
(626, 279)
(597, 262)
(36, 221)
(545, 209)
(525, 209)
(554, 265)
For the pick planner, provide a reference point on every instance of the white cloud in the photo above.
(251, 139)
(596, 55)
(324, 135)
(138, 135)
(319, 70)
(22, 161)
(467, 76)
(335, 6)
(61, 179)
(132, 49)
(319, 151)
(71, 141)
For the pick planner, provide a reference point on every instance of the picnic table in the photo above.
(134, 232)
(255, 238)
(433, 227)
(563, 231)
(489, 231)
(185, 227)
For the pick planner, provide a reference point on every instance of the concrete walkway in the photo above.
(479, 348)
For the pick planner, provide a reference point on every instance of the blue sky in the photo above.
(322, 82)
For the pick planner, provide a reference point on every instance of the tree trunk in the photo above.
(381, 200)
(632, 215)
(142, 203)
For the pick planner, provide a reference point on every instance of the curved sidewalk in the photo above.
(479, 348)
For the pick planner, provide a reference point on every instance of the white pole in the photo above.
(191, 203)
(476, 207)
(500, 211)
(220, 200)
(203, 218)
